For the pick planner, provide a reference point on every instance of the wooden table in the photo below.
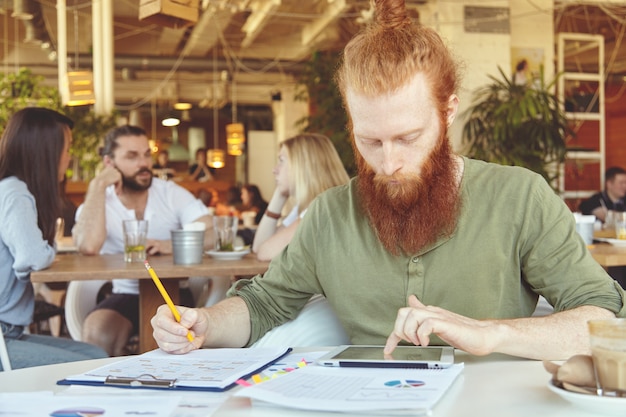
(70, 267)
(608, 255)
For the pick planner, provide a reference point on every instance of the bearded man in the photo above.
(424, 246)
(126, 190)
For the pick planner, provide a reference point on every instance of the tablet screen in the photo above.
(401, 353)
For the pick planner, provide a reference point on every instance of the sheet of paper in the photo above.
(191, 404)
(356, 389)
(38, 404)
(201, 404)
(202, 368)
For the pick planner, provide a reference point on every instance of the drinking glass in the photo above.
(135, 235)
(225, 229)
(608, 349)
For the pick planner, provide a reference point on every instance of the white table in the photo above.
(492, 386)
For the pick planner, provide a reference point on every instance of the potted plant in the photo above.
(88, 134)
(513, 124)
(22, 89)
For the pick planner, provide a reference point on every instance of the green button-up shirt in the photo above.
(515, 239)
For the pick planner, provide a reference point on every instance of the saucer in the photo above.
(228, 256)
(608, 406)
(614, 242)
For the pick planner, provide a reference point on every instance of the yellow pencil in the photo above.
(166, 296)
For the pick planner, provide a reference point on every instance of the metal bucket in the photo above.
(187, 246)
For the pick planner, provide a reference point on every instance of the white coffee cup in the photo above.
(584, 226)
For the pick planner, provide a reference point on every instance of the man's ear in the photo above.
(453, 108)
(106, 160)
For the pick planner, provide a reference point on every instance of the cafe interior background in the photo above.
(241, 63)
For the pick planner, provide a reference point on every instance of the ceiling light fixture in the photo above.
(170, 120)
(182, 106)
(215, 157)
(78, 84)
(235, 136)
(177, 151)
(79, 88)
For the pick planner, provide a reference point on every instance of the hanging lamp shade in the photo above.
(177, 151)
(235, 138)
(215, 158)
(78, 89)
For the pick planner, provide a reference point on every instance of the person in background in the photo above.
(232, 205)
(200, 171)
(424, 246)
(162, 160)
(34, 155)
(611, 198)
(126, 190)
(252, 200)
(308, 164)
(161, 168)
(521, 73)
(206, 196)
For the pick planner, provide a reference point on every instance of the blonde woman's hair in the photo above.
(314, 167)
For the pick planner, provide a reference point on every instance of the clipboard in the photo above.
(214, 370)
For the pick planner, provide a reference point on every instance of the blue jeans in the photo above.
(26, 350)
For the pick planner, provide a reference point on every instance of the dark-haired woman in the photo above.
(34, 154)
(252, 200)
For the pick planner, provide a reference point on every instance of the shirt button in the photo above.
(415, 259)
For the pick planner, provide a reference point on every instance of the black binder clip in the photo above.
(143, 380)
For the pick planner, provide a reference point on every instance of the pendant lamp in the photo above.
(215, 157)
(235, 136)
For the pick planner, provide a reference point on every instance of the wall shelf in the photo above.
(582, 91)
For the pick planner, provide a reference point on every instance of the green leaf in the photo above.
(517, 125)
(23, 89)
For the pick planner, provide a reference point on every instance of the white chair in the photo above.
(543, 308)
(207, 291)
(4, 354)
(80, 299)
(316, 325)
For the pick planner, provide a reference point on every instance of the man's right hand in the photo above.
(171, 336)
(109, 175)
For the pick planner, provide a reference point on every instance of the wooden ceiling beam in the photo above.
(206, 32)
(329, 15)
(169, 40)
(262, 11)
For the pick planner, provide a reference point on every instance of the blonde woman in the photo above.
(308, 164)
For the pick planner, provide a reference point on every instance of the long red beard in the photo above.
(410, 212)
